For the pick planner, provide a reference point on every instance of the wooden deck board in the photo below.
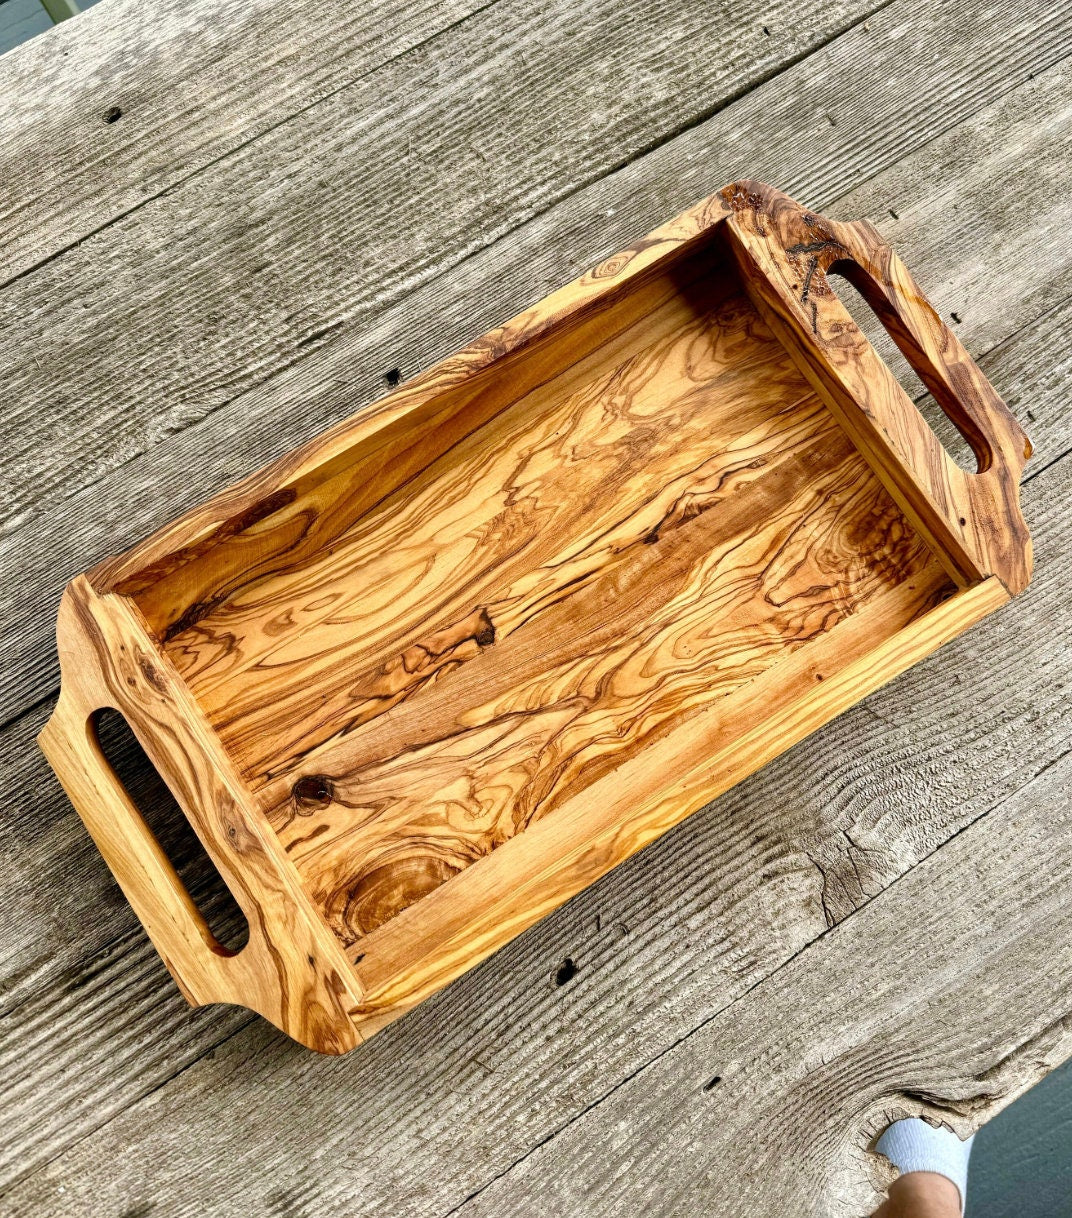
(919, 1004)
(119, 483)
(262, 256)
(192, 84)
(117, 1095)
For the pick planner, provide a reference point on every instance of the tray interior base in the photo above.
(665, 519)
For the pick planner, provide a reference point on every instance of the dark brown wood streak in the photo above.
(785, 254)
(423, 679)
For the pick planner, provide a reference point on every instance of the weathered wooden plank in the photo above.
(156, 380)
(955, 1005)
(1029, 357)
(873, 78)
(660, 947)
(867, 761)
(190, 84)
(265, 253)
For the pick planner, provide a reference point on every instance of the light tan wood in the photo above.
(427, 677)
(290, 971)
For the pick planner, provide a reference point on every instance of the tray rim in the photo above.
(294, 970)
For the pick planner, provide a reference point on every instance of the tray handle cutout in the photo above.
(133, 774)
(785, 254)
(291, 970)
(844, 278)
(147, 876)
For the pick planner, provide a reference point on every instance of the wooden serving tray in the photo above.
(425, 678)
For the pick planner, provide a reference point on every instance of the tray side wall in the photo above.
(461, 923)
(297, 505)
(291, 970)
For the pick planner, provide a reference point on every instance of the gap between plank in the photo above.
(643, 150)
(761, 982)
(653, 145)
(177, 185)
(19, 1179)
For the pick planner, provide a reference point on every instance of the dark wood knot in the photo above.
(313, 791)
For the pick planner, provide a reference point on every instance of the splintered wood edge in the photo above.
(292, 969)
(433, 942)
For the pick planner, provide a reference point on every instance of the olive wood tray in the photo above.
(424, 679)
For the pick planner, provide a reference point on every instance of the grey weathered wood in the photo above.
(841, 866)
(440, 1104)
(140, 473)
(948, 995)
(212, 287)
(193, 82)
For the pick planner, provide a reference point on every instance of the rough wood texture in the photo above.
(188, 89)
(454, 1094)
(284, 240)
(166, 446)
(772, 1106)
(593, 554)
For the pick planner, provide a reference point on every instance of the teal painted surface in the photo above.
(20, 20)
(23, 19)
(1021, 1164)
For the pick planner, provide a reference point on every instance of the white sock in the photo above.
(913, 1145)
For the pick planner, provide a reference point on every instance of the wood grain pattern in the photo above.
(440, 640)
(787, 255)
(493, 535)
(591, 679)
(164, 446)
(291, 970)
